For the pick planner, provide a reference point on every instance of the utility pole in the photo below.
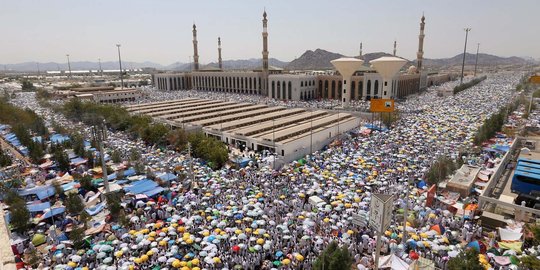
(476, 62)
(464, 53)
(69, 65)
(100, 69)
(121, 71)
(274, 143)
(406, 210)
(311, 135)
(99, 134)
(190, 163)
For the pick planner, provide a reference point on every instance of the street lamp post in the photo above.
(69, 65)
(100, 69)
(476, 62)
(274, 143)
(311, 135)
(121, 71)
(464, 52)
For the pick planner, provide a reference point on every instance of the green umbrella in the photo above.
(38, 239)
(514, 260)
(277, 263)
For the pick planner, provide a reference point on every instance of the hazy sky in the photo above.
(160, 30)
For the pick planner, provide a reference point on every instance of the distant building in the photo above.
(102, 94)
(272, 82)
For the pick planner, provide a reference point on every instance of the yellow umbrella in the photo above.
(176, 263)
(260, 241)
(195, 261)
(72, 264)
(286, 261)
(216, 260)
(299, 257)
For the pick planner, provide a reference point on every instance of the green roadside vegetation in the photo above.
(469, 84)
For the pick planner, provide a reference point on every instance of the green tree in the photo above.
(5, 160)
(334, 258)
(74, 204)
(116, 156)
(33, 258)
(139, 167)
(134, 155)
(86, 182)
(466, 260)
(77, 237)
(77, 143)
(62, 159)
(20, 216)
(84, 217)
(529, 262)
(35, 152)
(177, 138)
(89, 156)
(113, 204)
(27, 86)
(58, 190)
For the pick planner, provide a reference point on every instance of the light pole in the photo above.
(99, 134)
(274, 143)
(69, 65)
(476, 62)
(464, 52)
(100, 69)
(311, 135)
(121, 71)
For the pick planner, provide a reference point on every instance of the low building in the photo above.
(102, 94)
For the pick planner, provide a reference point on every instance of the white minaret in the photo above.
(265, 43)
(395, 45)
(420, 53)
(219, 52)
(360, 49)
(195, 50)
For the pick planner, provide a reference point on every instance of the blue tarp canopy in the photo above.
(503, 148)
(59, 138)
(141, 186)
(78, 160)
(38, 207)
(69, 186)
(167, 177)
(95, 209)
(2, 127)
(374, 127)
(42, 192)
(53, 212)
(111, 176)
(129, 172)
(153, 191)
(421, 184)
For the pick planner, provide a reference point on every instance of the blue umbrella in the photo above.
(279, 254)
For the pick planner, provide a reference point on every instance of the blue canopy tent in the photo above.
(129, 172)
(95, 209)
(77, 160)
(53, 212)
(69, 186)
(374, 127)
(59, 138)
(38, 207)
(421, 184)
(42, 192)
(111, 176)
(141, 186)
(167, 177)
(153, 192)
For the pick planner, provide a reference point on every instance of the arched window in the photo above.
(360, 89)
(376, 89)
(250, 83)
(333, 91)
(301, 84)
(278, 90)
(368, 91)
(290, 90)
(326, 89)
(283, 89)
(301, 95)
(320, 88)
(273, 89)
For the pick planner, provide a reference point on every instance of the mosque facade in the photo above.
(274, 83)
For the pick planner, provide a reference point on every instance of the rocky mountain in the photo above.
(247, 64)
(470, 58)
(318, 59)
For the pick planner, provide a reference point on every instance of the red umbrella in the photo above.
(236, 248)
(413, 255)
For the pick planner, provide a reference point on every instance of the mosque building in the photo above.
(274, 83)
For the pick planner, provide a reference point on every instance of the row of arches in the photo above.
(281, 90)
(171, 83)
(236, 84)
(331, 89)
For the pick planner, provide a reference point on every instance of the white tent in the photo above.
(393, 262)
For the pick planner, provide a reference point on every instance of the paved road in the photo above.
(14, 151)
